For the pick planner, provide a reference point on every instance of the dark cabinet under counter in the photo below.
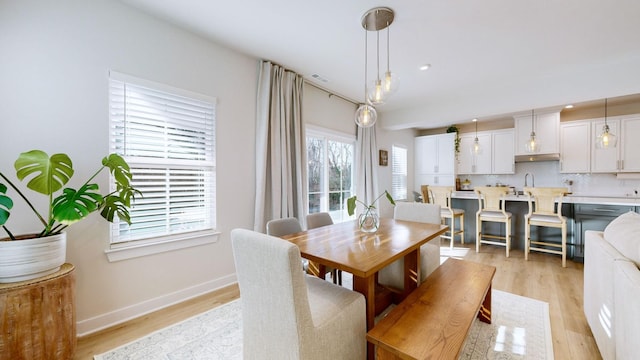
(593, 217)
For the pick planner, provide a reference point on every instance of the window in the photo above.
(167, 136)
(398, 172)
(330, 158)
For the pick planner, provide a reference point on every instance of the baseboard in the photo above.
(101, 322)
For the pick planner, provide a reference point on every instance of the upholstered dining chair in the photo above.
(393, 275)
(491, 208)
(287, 314)
(544, 212)
(441, 195)
(316, 220)
(286, 226)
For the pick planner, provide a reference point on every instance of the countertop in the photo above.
(569, 199)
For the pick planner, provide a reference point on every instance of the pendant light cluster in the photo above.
(532, 145)
(606, 139)
(476, 149)
(378, 92)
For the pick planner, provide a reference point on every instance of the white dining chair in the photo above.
(317, 220)
(289, 315)
(286, 226)
(393, 274)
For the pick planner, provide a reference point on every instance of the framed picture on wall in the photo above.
(384, 158)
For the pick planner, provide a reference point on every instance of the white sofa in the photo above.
(612, 287)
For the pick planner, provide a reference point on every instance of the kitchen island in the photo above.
(584, 212)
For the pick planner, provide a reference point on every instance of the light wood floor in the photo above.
(542, 278)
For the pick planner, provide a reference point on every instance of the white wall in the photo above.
(54, 74)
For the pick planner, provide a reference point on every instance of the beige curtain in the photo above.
(366, 156)
(281, 171)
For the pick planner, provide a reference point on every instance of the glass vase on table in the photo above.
(369, 221)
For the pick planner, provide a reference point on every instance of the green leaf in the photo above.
(119, 169)
(351, 205)
(114, 205)
(5, 205)
(390, 198)
(49, 174)
(73, 206)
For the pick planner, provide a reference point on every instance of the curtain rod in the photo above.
(316, 85)
(330, 93)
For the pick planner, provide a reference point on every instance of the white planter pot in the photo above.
(31, 258)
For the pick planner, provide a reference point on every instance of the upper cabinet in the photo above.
(575, 147)
(605, 160)
(496, 156)
(469, 163)
(502, 161)
(629, 149)
(623, 158)
(435, 162)
(546, 127)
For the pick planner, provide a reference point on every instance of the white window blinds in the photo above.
(398, 172)
(167, 136)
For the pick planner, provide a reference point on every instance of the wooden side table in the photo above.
(37, 317)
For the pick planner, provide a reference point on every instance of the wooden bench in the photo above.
(433, 321)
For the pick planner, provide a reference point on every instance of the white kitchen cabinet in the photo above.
(605, 160)
(469, 163)
(546, 127)
(435, 179)
(625, 157)
(629, 137)
(496, 157)
(575, 147)
(503, 148)
(435, 162)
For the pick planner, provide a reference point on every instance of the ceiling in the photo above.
(488, 58)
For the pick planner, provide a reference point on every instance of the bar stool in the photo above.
(441, 195)
(491, 208)
(546, 214)
(424, 189)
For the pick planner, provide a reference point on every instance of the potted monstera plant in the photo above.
(28, 256)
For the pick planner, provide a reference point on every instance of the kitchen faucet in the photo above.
(533, 180)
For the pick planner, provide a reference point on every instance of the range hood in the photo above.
(537, 157)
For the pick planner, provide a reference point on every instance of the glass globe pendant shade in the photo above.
(390, 83)
(606, 139)
(476, 149)
(366, 116)
(532, 145)
(376, 94)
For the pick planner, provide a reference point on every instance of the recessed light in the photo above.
(569, 106)
(425, 67)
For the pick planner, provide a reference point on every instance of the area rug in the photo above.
(520, 330)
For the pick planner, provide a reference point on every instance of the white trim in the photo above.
(124, 251)
(318, 131)
(101, 322)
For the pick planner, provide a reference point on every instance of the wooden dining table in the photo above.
(344, 247)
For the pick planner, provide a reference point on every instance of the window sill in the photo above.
(124, 252)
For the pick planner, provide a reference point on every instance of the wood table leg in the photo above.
(316, 269)
(485, 309)
(411, 272)
(367, 287)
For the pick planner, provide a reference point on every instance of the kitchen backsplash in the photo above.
(547, 173)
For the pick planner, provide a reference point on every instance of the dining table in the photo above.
(345, 247)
